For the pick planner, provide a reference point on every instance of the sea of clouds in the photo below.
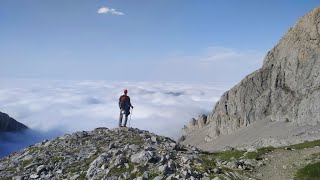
(53, 108)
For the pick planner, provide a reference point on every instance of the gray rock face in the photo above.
(41, 168)
(8, 124)
(17, 178)
(286, 88)
(195, 124)
(143, 156)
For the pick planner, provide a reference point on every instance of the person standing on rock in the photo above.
(124, 105)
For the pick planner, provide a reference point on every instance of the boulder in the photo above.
(143, 156)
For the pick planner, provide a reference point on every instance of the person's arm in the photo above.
(119, 102)
(129, 102)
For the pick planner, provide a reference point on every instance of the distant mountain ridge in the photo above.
(8, 124)
(277, 101)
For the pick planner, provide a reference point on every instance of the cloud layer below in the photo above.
(71, 106)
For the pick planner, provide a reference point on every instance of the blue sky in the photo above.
(167, 40)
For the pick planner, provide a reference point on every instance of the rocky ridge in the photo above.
(285, 89)
(195, 124)
(122, 153)
(8, 124)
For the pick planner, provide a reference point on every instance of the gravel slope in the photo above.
(260, 134)
(283, 164)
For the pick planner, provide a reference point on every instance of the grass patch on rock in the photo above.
(207, 165)
(11, 169)
(83, 176)
(118, 171)
(7, 178)
(228, 155)
(80, 165)
(26, 162)
(154, 174)
(310, 171)
(307, 144)
(139, 172)
(209, 160)
(58, 159)
(137, 140)
(257, 154)
(74, 168)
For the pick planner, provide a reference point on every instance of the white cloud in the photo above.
(58, 107)
(162, 108)
(214, 54)
(107, 10)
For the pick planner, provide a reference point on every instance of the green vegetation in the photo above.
(118, 171)
(208, 164)
(12, 169)
(137, 141)
(306, 144)
(209, 160)
(26, 162)
(75, 167)
(134, 140)
(83, 176)
(58, 159)
(257, 155)
(154, 174)
(228, 155)
(309, 172)
(7, 178)
(81, 165)
(206, 167)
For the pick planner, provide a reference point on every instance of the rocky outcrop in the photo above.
(286, 88)
(195, 124)
(8, 124)
(121, 153)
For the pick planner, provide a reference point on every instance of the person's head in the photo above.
(125, 91)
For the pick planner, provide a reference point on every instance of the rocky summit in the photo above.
(122, 153)
(8, 124)
(275, 105)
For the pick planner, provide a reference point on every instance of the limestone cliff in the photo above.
(286, 88)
